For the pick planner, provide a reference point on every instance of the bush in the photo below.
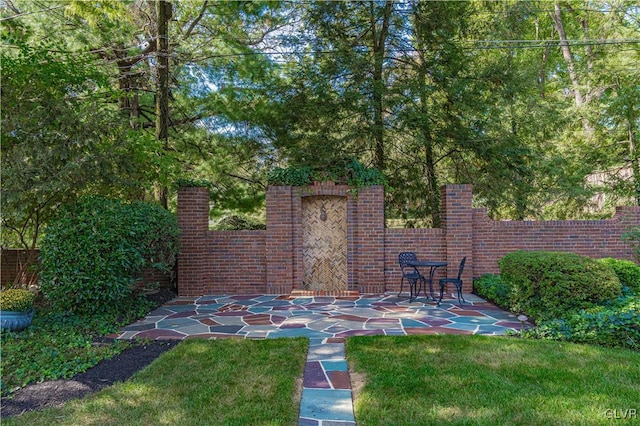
(493, 288)
(627, 271)
(16, 300)
(238, 223)
(94, 251)
(615, 326)
(548, 285)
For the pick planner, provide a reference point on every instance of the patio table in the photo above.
(432, 265)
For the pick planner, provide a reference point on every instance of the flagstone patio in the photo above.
(318, 317)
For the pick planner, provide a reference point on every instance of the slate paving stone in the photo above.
(329, 365)
(314, 376)
(139, 327)
(226, 329)
(339, 379)
(172, 324)
(329, 404)
(184, 314)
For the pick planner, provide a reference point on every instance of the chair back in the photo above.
(407, 256)
(462, 262)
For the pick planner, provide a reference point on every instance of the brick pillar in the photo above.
(457, 223)
(369, 239)
(279, 241)
(193, 221)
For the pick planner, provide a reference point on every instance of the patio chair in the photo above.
(409, 273)
(456, 281)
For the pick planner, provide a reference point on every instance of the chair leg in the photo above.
(443, 287)
(412, 289)
(401, 284)
(459, 288)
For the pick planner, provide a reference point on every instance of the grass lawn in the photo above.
(488, 380)
(199, 382)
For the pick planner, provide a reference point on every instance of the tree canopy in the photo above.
(536, 103)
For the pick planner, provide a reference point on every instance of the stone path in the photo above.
(326, 321)
(326, 394)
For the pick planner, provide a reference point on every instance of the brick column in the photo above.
(279, 240)
(369, 239)
(193, 221)
(457, 223)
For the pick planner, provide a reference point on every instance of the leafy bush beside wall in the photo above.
(615, 325)
(627, 271)
(494, 289)
(547, 285)
(94, 250)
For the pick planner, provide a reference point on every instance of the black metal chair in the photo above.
(410, 273)
(456, 281)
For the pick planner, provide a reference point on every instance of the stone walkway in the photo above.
(326, 321)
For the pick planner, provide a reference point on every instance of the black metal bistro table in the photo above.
(432, 265)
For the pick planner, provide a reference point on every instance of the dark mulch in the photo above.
(107, 372)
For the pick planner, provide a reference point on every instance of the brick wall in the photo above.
(242, 262)
(593, 238)
(12, 259)
(11, 262)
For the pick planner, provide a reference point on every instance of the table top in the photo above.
(431, 263)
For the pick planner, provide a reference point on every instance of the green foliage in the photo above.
(547, 285)
(358, 175)
(293, 176)
(60, 345)
(351, 172)
(615, 325)
(493, 288)
(627, 271)
(633, 236)
(95, 249)
(16, 299)
(192, 183)
(238, 223)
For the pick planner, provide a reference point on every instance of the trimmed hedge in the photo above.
(493, 288)
(95, 250)
(547, 285)
(627, 271)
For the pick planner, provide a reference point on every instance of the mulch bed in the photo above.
(117, 369)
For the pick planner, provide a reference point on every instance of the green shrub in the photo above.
(615, 326)
(294, 176)
(238, 223)
(493, 288)
(627, 271)
(16, 300)
(95, 250)
(548, 285)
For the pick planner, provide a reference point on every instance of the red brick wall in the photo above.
(11, 262)
(13, 258)
(426, 243)
(270, 261)
(457, 221)
(593, 238)
(193, 221)
(235, 262)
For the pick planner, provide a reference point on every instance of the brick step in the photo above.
(331, 293)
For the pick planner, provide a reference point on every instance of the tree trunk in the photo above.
(379, 44)
(163, 13)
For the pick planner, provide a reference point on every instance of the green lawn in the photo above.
(408, 380)
(199, 382)
(488, 380)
